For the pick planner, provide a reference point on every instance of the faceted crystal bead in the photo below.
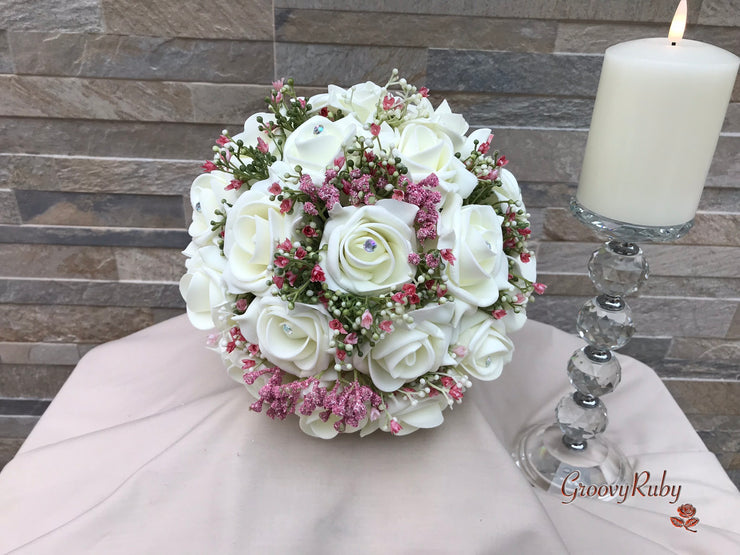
(605, 322)
(594, 372)
(618, 269)
(581, 417)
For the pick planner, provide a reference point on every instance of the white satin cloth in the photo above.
(151, 448)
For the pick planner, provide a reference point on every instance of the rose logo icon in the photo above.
(687, 511)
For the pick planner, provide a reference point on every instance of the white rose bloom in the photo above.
(426, 413)
(251, 131)
(425, 150)
(318, 101)
(206, 193)
(361, 100)
(296, 340)
(527, 270)
(201, 286)
(509, 189)
(318, 141)
(313, 426)
(412, 350)
(488, 347)
(368, 247)
(514, 321)
(253, 228)
(473, 232)
(454, 125)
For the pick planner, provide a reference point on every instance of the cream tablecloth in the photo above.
(151, 448)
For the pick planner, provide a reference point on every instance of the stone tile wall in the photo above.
(108, 106)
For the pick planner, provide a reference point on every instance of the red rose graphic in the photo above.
(687, 510)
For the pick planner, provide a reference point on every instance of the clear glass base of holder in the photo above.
(626, 232)
(553, 466)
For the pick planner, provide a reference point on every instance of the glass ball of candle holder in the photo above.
(580, 417)
(605, 322)
(618, 269)
(547, 453)
(594, 371)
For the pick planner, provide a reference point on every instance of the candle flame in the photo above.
(678, 25)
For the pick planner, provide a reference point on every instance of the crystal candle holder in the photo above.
(548, 452)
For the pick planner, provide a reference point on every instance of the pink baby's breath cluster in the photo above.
(425, 195)
(362, 256)
(349, 404)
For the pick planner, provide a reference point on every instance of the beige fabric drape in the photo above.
(151, 448)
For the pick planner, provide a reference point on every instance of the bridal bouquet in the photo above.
(361, 258)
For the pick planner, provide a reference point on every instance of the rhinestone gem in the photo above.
(318, 129)
(488, 361)
(198, 207)
(287, 329)
(370, 245)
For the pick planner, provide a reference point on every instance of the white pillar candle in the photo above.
(659, 110)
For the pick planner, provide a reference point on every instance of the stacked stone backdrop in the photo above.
(108, 108)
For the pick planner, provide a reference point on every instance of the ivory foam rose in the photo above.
(413, 349)
(360, 100)
(367, 247)
(316, 143)
(425, 413)
(509, 189)
(488, 348)
(254, 226)
(444, 120)
(206, 193)
(473, 232)
(426, 150)
(293, 339)
(201, 285)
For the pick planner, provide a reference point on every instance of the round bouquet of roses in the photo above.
(361, 258)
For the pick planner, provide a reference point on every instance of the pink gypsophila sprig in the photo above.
(423, 195)
(350, 404)
(281, 398)
(307, 186)
(357, 189)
